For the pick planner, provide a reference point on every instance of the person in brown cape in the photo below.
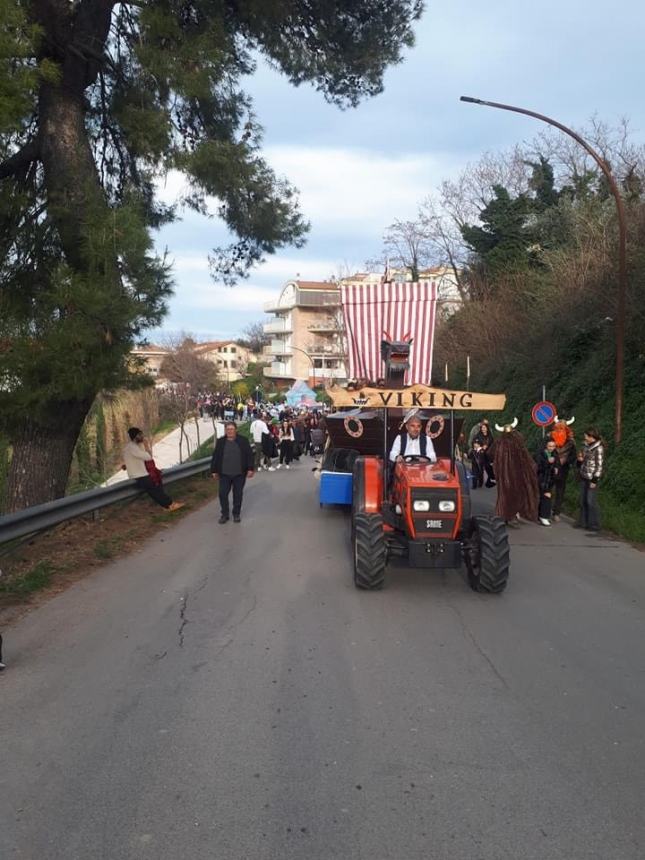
(517, 486)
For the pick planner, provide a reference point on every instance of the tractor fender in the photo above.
(464, 484)
(367, 485)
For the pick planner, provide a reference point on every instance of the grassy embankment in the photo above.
(51, 560)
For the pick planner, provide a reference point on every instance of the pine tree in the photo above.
(97, 100)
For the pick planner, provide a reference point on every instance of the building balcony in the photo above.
(328, 349)
(325, 373)
(278, 326)
(279, 347)
(304, 299)
(323, 325)
(279, 370)
(274, 306)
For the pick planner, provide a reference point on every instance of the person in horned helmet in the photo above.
(412, 442)
(517, 486)
(565, 443)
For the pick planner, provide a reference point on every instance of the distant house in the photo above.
(150, 358)
(229, 357)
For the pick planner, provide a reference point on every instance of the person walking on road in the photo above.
(232, 463)
(258, 429)
(137, 456)
(287, 438)
(591, 462)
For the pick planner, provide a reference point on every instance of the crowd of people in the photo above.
(533, 487)
(223, 407)
(282, 435)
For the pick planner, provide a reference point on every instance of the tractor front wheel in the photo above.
(370, 551)
(487, 555)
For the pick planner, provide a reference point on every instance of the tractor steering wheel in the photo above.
(411, 459)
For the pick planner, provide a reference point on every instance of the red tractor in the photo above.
(414, 508)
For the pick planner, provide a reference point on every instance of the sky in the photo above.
(358, 170)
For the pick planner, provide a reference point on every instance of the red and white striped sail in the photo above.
(400, 309)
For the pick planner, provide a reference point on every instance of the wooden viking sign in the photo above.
(419, 396)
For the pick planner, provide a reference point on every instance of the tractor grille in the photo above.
(434, 523)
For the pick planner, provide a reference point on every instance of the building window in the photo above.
(318, 362)
(232, 349)
(233, 365)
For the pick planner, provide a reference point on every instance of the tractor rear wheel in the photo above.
(488, 555)
(370, 551)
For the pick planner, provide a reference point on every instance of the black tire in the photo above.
(488, 555)
(370, 551)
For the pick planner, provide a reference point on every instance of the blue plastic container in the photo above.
(335, 488)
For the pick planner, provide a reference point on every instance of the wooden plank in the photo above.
(419, 396)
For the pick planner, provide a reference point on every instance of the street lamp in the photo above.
(313, 366)
(622, 245)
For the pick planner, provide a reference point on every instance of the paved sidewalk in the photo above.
(166, 451)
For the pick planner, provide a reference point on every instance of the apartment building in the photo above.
(306, 334)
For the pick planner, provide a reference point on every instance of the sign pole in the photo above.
(543, 398)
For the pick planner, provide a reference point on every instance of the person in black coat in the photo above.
(548, 466)
(232, 463)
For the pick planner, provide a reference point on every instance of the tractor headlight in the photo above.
(446, 507)
(421, 505)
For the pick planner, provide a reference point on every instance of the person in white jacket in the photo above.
(258, 428)
(136, 454)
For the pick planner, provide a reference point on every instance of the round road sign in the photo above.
(543, 413)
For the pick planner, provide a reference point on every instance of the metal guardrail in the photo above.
(49, 514)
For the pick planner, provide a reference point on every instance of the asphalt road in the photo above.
(227, 694)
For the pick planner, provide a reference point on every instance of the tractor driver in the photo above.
(412, 443)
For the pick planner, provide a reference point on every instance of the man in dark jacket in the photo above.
(232, 463)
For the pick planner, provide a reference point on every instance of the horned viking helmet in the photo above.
(557, 420)
(507, 427)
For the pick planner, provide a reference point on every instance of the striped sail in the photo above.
(400, 309)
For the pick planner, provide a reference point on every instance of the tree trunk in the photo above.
(42, 457)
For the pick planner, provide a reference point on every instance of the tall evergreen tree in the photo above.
(97, 99)
(502, 240)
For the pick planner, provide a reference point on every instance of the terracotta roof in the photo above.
(151, 347)
(214, 344)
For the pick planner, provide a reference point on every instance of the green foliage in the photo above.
(502, 241)
(550, 321)
(37, 578)
(241, 389)
(96, 102)
(100, 450)
(18, 71)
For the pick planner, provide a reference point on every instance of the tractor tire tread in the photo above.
(370, 552)
(494, 555)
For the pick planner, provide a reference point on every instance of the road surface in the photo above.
(226, 694)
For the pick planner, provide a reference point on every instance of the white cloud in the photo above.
(357, 190)
(275, 270)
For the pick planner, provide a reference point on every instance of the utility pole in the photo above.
(621, 299)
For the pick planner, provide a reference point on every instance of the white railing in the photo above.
(279, 326)
(279, 347)
(327, 325)
(279, 369)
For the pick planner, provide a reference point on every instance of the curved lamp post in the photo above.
(622, 245)
(313, 366)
